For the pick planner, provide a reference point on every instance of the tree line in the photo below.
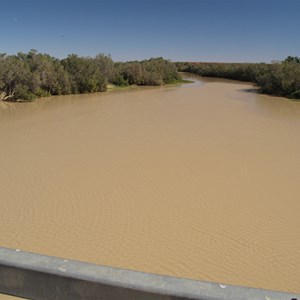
(26, 76)
(280, 79)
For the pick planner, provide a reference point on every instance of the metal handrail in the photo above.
(37, 276)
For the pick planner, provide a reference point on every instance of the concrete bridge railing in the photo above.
(36, 276)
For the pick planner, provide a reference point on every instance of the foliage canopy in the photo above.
(29, 75)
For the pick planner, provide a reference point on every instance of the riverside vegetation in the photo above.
(279, 78)
(26, 76)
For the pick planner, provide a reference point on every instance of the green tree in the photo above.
(292, 59)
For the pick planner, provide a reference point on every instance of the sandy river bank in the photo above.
(198, 181)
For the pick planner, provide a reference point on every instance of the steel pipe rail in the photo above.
(36, 276)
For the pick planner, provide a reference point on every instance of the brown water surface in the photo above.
(199, 181)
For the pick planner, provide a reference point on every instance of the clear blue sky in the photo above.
(181, 30)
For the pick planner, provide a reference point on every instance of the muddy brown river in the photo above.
(198, 181)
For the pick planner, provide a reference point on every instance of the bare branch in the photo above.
(5, 97)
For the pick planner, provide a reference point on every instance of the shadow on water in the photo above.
(279, 107)
(250, 90)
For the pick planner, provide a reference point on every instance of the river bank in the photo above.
(278, 79)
